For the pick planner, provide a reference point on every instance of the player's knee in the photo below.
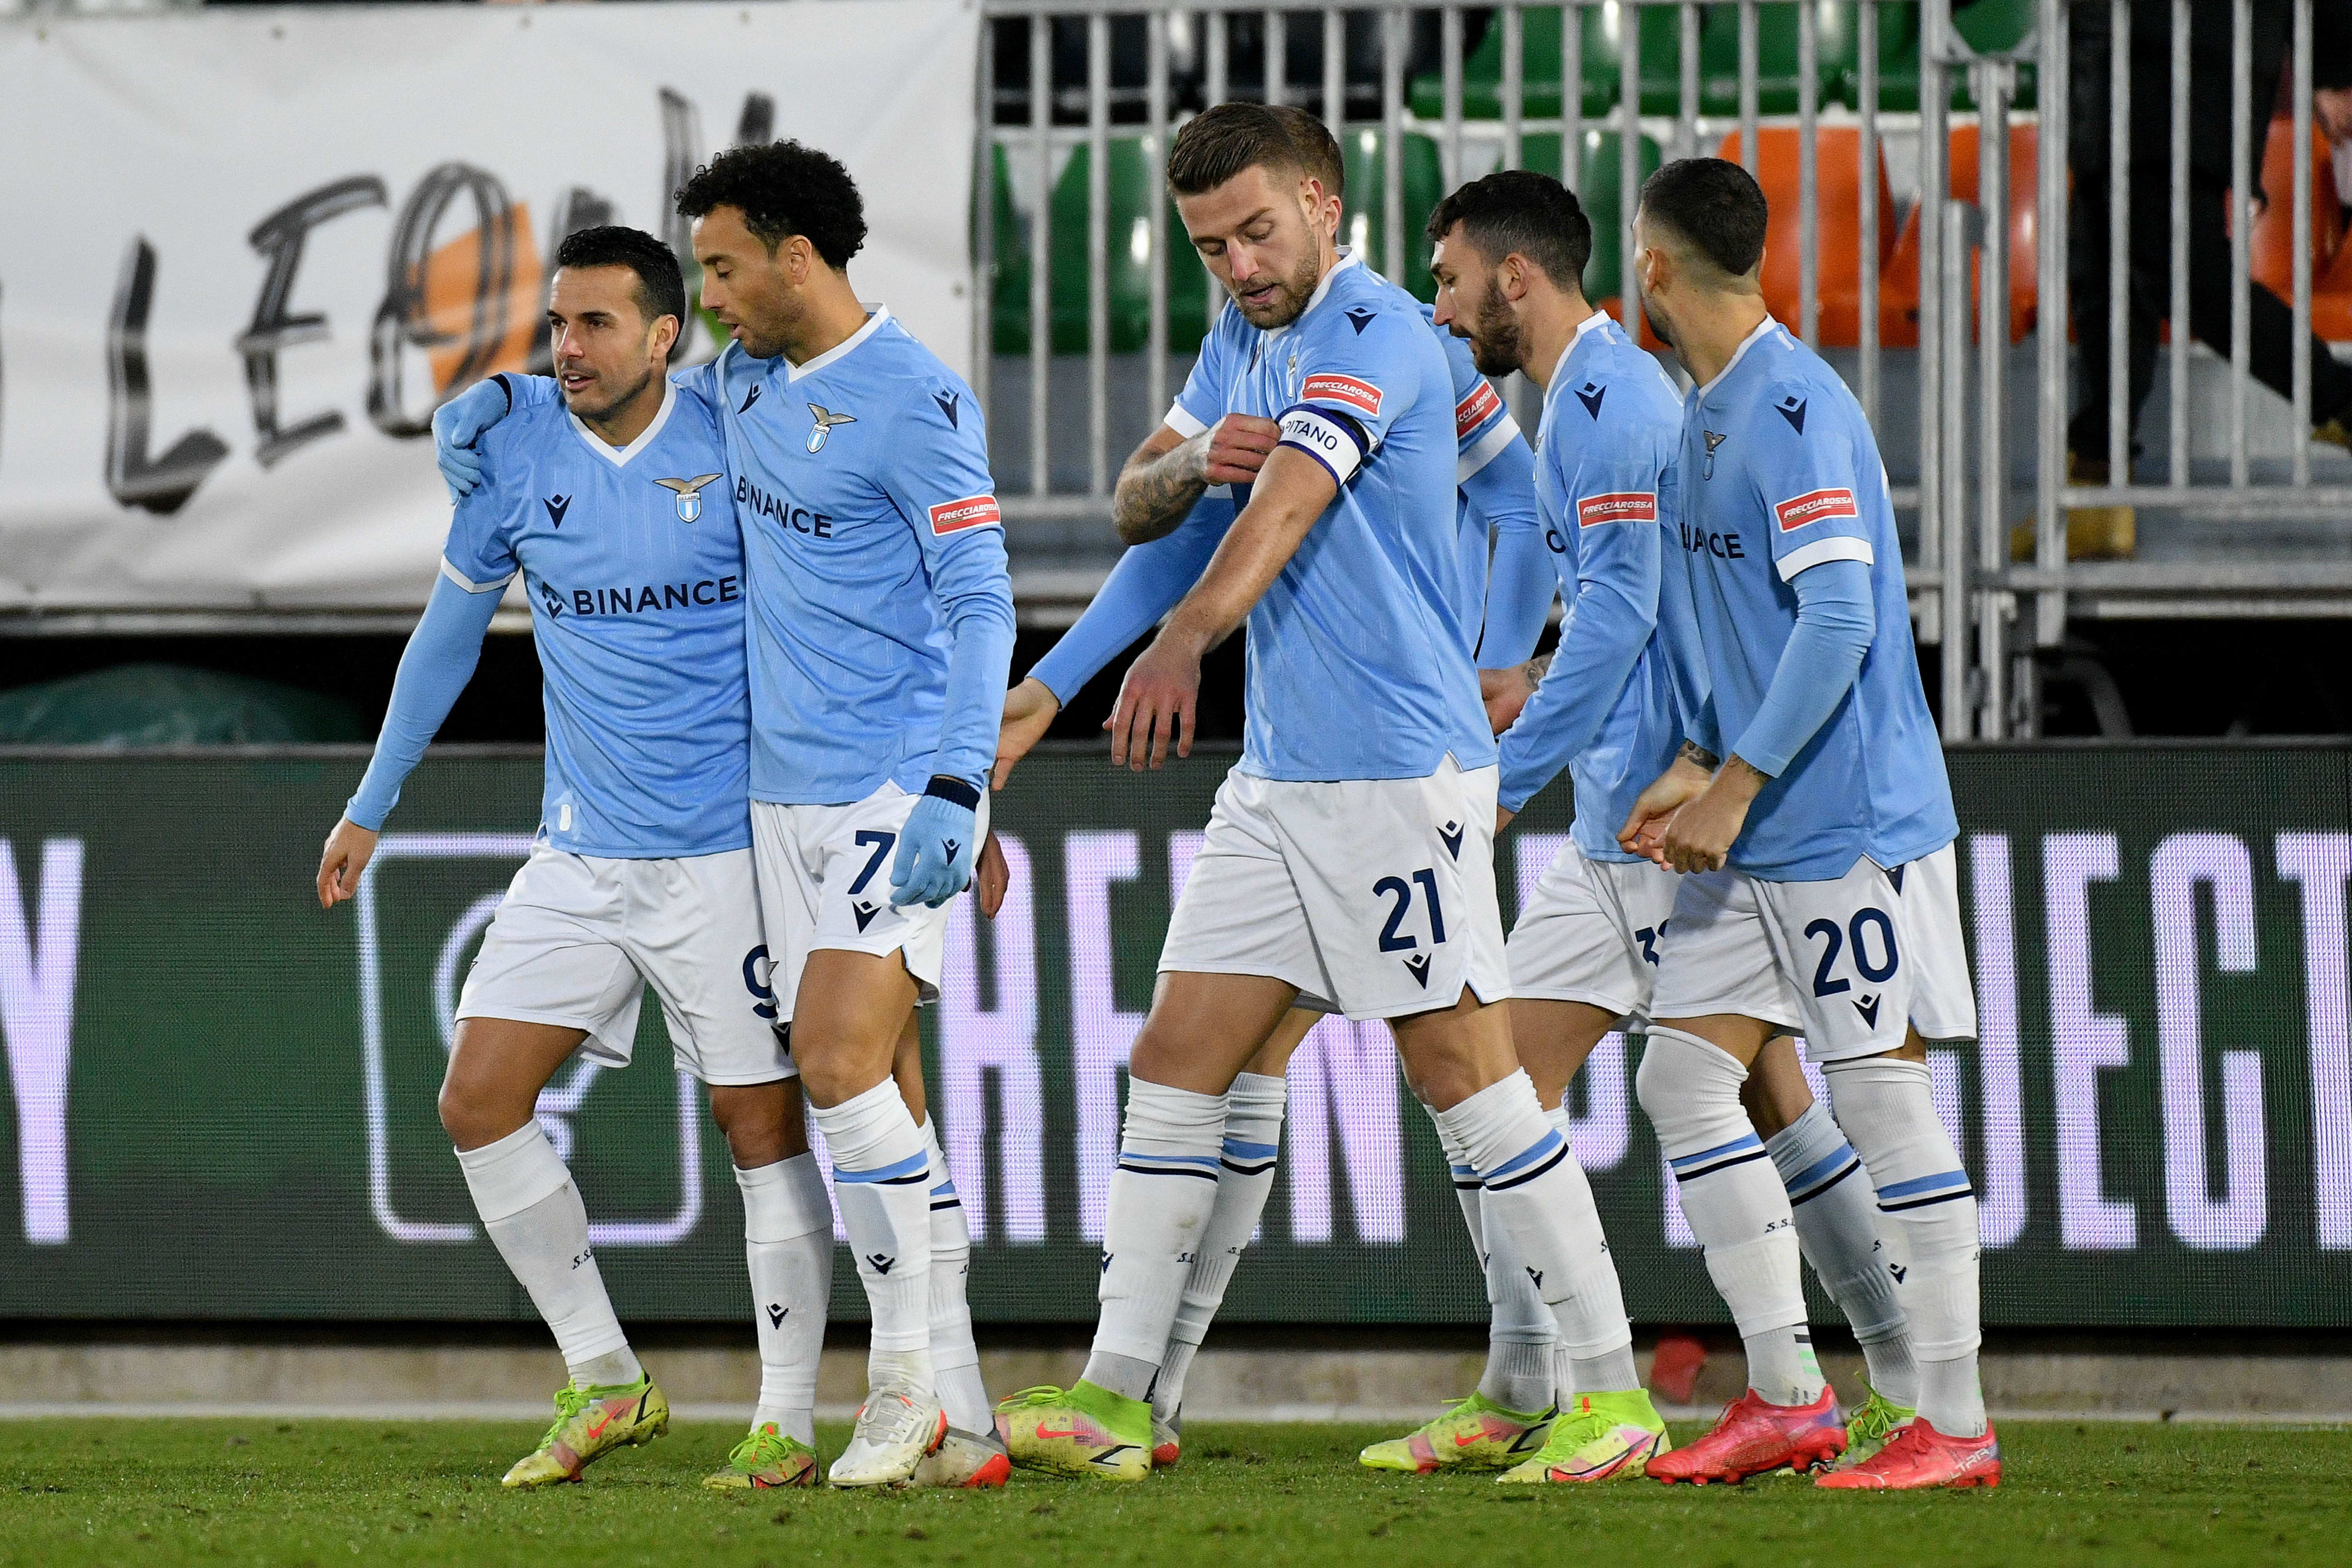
(756, 1121)
(1687, 1087)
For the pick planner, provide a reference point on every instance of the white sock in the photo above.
(1887, 1108)
(955, 1358)
(1601, 1359)
(1161, 1196)
(1253, 1138)
(881, 1179)
(1735, 1205)
(1837, 1226)
(1519, 1374)
(535, 1218)
(788, 1246)
(1537, 1191)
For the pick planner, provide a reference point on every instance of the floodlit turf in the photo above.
(133, 1492)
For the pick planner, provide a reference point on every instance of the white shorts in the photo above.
(580, 937)
(1852, 963)
(1590, 933)
(825, 882)
(1375, 897)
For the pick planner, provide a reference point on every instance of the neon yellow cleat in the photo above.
(1088, 1431)
(1472, 1434)
(589, 1423)
(1871, 1428)
(764, 1459)
(1600, 1438)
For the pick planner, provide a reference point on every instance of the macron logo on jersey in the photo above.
(1473, 411)
(971, 512)
(1350, 391)
(1812, 506)
(1618, 506)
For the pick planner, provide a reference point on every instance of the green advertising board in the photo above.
(220, 1098)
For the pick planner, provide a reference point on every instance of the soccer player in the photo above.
(1821, 894)
(1348, 859)
(609, 505)
(1510, 251)
(881, 628)
(1495, 475)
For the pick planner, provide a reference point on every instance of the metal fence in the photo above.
(1971, 396)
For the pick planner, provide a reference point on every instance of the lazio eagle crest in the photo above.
(825, 419)
(689, 495)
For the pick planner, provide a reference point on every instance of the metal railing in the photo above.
(1974, 428)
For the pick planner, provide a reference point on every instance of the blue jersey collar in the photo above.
(842, 350)
(1766, 326)
(618, 456)
(1347, 259)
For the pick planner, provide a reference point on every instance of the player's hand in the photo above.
(456, 425)
(1156, 703)
(1234, 448)
(991, 876)
(1645, 826)
(936, 849)
(1699, 838)
(1029, 712)
(1506, 692)
(349, 849)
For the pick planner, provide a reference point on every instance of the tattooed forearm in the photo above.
(1697, 756)
(1154, 496)
(1534, 670)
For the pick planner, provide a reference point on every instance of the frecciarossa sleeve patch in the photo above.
(1474, 410)
(1815, 506)
(1348, 391)
(1618, 506)
(971, 512)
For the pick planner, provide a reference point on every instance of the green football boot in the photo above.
(764, 1459)
(1472, 1434)
(1871, 1428)
(1088, 1431)
(589, 1423)
(1600, 1438)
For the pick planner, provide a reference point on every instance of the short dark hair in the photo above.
(1214, 147)
(1716, 206)
(784, 188)
(1519, 212)
(660, 290)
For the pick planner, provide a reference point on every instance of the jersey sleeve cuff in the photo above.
(1181, 421)
(1485, 449)
(468, 584)
(1804, 559)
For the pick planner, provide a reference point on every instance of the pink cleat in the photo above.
(1754, 1437)
(1917, 1457)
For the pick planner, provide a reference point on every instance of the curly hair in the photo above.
(783, 188)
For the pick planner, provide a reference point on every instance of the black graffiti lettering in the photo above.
(279, 237)
(401, 322)
(160, 484)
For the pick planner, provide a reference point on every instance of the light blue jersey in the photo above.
(1605, 491)
(634, 570)
(1781, 474)
(1359, 653)
(881, 608)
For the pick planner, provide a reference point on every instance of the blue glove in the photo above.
(937, 846)
(457, 423)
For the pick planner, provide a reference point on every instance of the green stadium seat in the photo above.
(1994, 26)
(1597, 192)
(1128, 248)
(1836, 36)
(1363, 212)
(1482, 69)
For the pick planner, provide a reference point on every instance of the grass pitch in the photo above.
(286, 1494)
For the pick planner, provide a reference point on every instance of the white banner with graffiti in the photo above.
(244, 255)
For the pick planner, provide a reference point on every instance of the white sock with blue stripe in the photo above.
(955, 1358)
(1157, 1222)
(1837, 1225)
(1519, 1374)
(1536, 1192)
(1596, 1339)
(1887, 1107)
(1736, 1205)
(881, 1179)
(1245, 1162)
